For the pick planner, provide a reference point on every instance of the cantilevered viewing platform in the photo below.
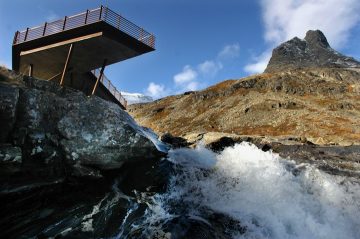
(75, 50)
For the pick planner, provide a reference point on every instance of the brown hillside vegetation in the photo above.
(321, 104)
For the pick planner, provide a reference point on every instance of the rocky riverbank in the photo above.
(333, 159)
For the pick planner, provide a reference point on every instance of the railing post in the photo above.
(64, 23)
(141, 34)
(118, 22)
(86, 16)
(152, 41)
(106, 13)
(101, 9)
(44, 31)
(15, 37)
(26, 34)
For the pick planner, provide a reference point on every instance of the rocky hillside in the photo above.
(305, 94)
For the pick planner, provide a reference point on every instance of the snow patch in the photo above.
(135, 98)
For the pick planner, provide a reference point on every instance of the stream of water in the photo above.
(267, 196)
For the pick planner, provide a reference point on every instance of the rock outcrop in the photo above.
(313, 51)
(61, 153)
(48, 122)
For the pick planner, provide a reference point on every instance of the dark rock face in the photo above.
(334, 160)
(175, 142)
(86, 131)
(312, 52)
(65, 158)
(316, 39)
(8, 102)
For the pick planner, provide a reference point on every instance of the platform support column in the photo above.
(100, 76)
(66, 64)
(31, 70)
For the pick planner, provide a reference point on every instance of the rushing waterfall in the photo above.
(263, 195)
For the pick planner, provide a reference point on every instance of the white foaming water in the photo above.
(270, 196)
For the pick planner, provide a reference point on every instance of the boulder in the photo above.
(9, 154)
(99, 134)
(175, 142)
(86, 131)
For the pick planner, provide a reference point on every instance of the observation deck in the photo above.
(70, 50)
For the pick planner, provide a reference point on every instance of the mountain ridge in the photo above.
(317, 102)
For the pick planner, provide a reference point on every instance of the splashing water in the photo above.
(269, 196)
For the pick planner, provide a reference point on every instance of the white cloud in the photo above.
(194, 78)
(156, 90)
(230, 51)
(260, 63)
(209, 68)
(194, 85)
(186, 80)
(285, 19)
(187, 75)
(52, 16)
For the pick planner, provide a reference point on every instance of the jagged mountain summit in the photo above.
(312, 52)
(135, 98)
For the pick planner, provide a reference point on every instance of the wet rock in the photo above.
(9, 96)
(67, 160)
(337, 160)
(86, 131)
(266, 147)
(185, 227)
(175, 142)
(101, 135)
(221, 144)
(10, 155)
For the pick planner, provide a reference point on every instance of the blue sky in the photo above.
(198, 43)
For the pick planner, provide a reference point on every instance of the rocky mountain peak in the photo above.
(316, 38)
(313, 51)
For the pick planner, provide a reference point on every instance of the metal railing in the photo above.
(90, 16)
(110, 87)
